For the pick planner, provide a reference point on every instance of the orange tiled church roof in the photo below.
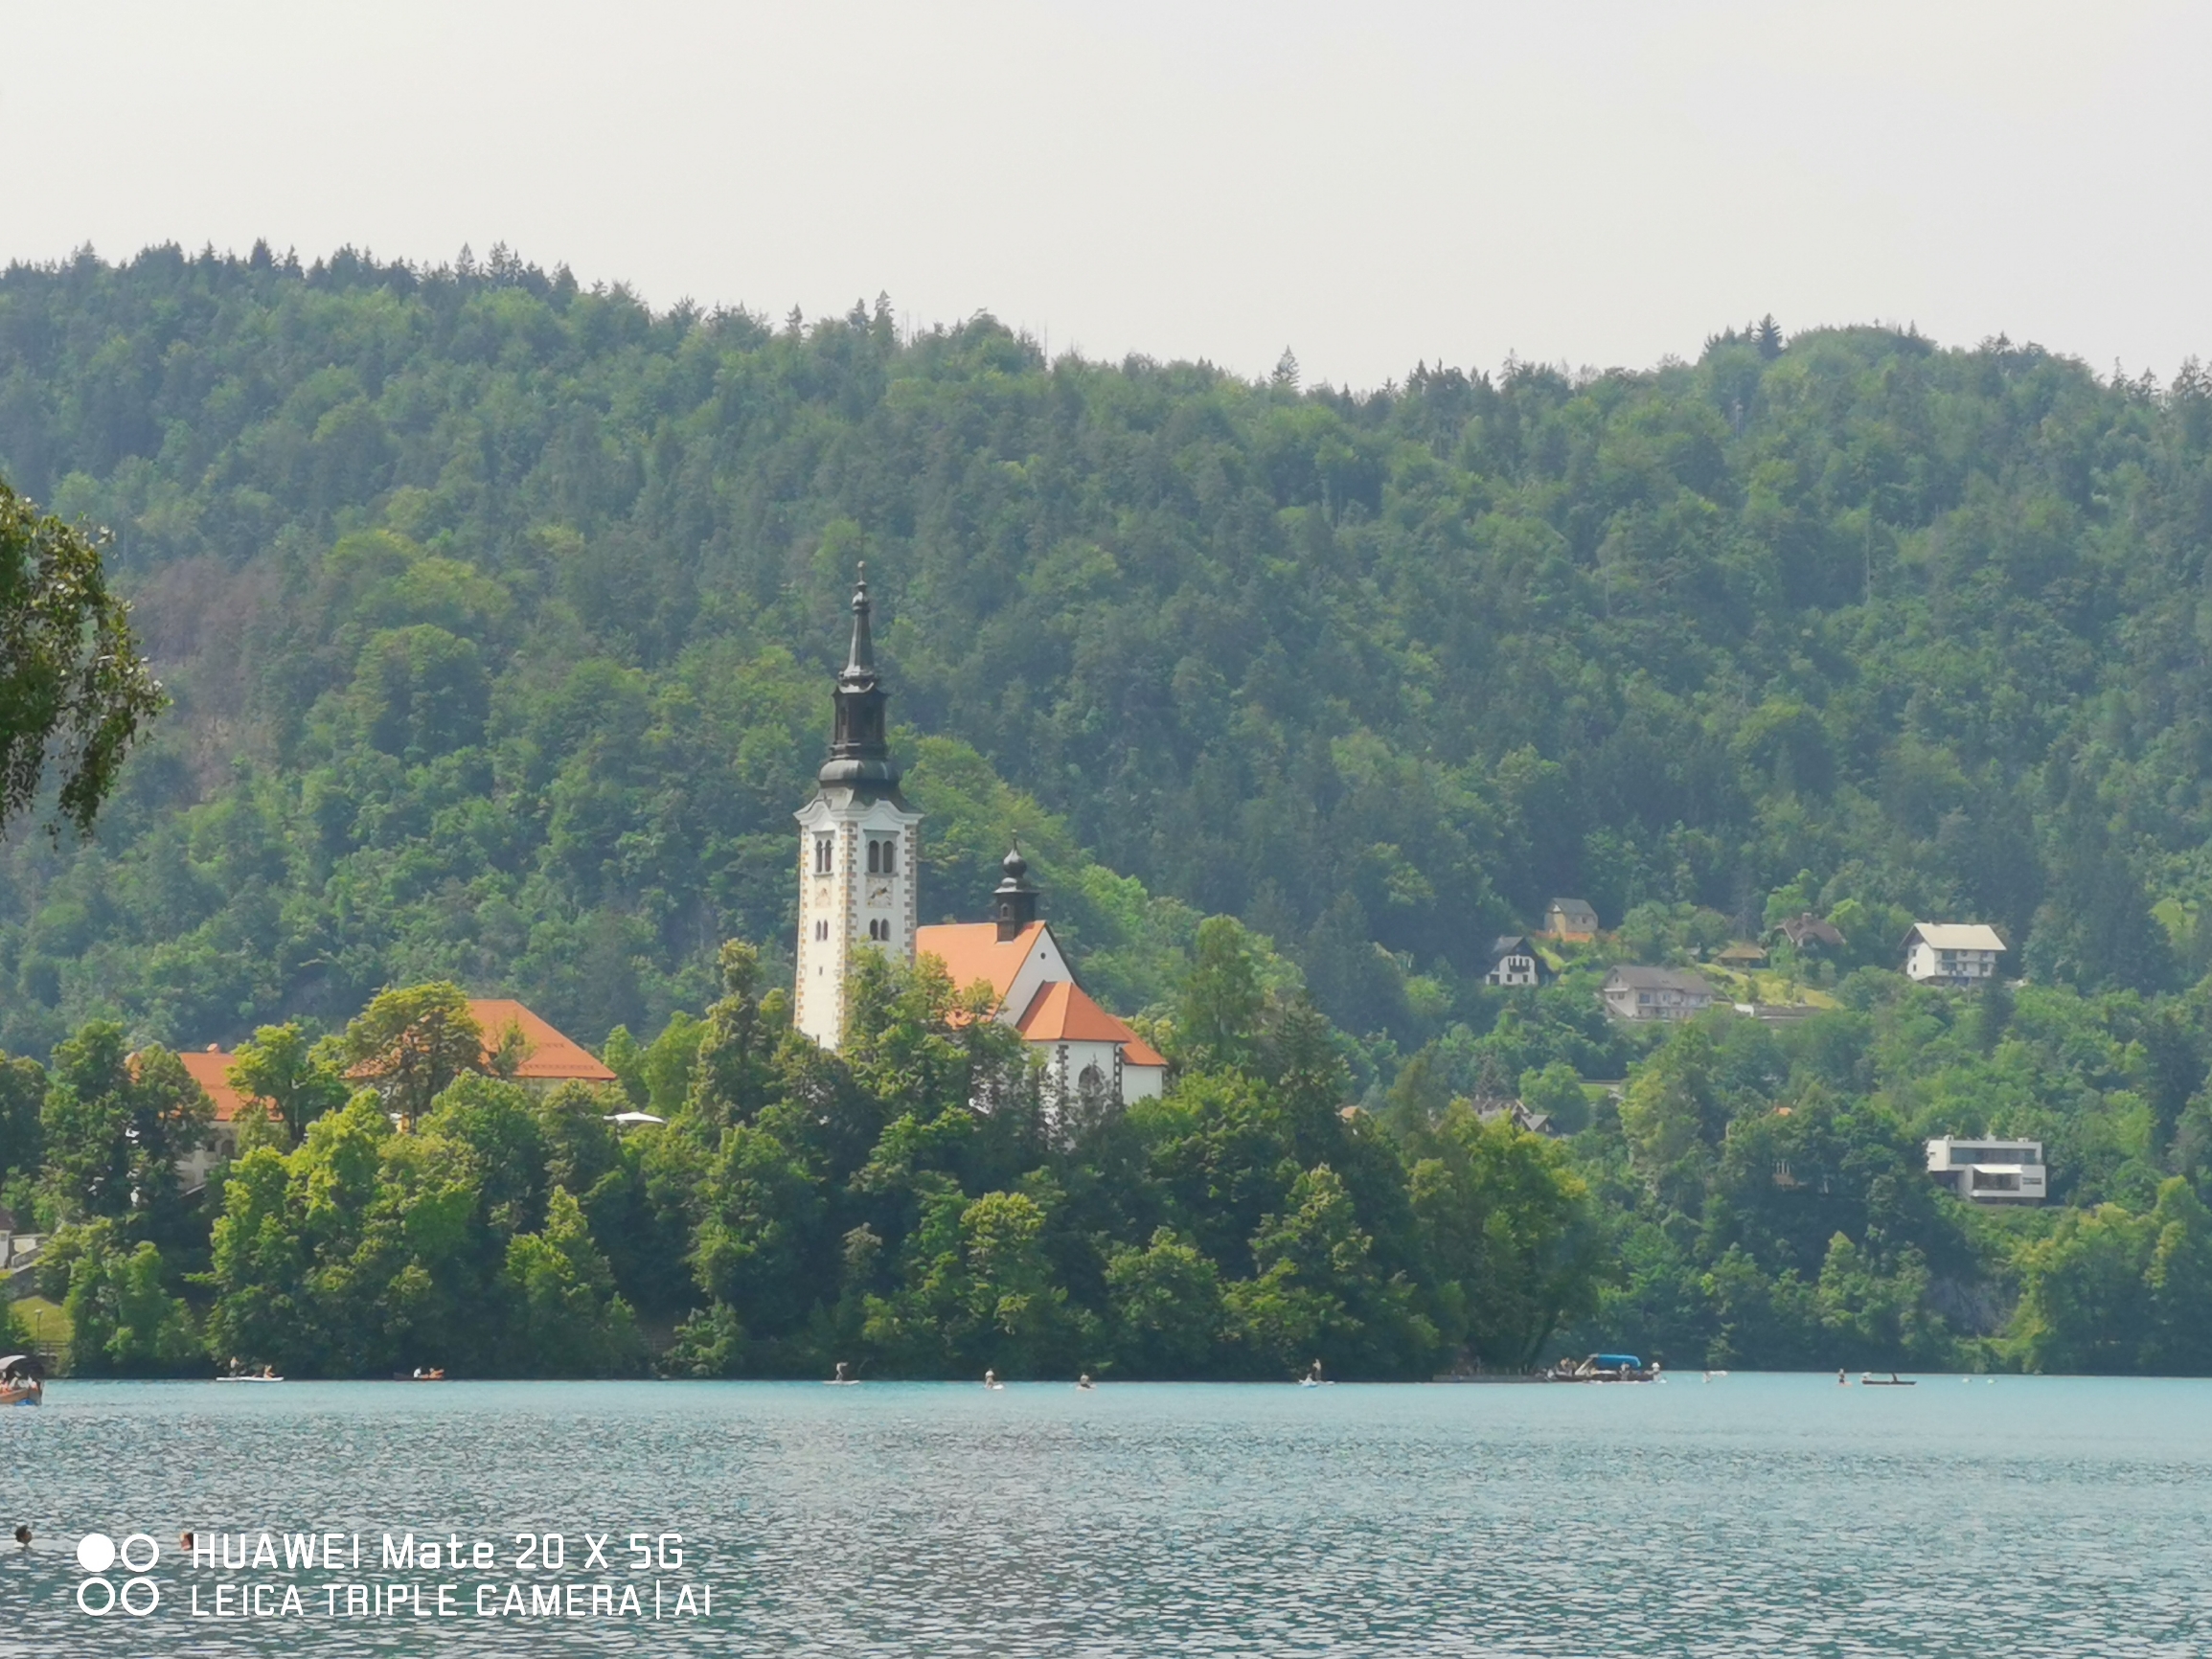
(1063, 1013)
(973, 950)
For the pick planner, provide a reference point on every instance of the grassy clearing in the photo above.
(46, 1322)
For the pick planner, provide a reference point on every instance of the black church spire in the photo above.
(860, 750)
(1013, 907)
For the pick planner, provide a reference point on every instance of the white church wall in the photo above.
(845, 908)
(1141, 1082)
(1043, 966)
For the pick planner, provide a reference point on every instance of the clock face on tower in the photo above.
(879, 893)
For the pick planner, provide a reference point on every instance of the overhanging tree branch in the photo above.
(74, 690)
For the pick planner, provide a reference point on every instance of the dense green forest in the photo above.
(497, 614)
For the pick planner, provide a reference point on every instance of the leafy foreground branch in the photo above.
(73, 691)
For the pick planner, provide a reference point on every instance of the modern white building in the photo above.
(1986, 1170)
(1952, 953)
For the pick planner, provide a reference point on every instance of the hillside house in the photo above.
(1985, 1171)
(1513, 963)
(1570, 919)
(1742, 957)
(1951, 953)
(1643, 994)
(1808, 934)
(1517, 1113)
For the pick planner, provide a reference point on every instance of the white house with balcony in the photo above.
(1954, 953)
(1986, 1171)
(1655, 994)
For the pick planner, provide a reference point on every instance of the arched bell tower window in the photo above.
(825, 851)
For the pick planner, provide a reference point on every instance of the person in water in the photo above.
(990, 1379)
(1843, 1381)
(23, 1538)
(842, 1370)
(1083, 1381)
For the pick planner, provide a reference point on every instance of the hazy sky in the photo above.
(1368, 183)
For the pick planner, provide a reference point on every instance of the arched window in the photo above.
(875, 857)
(890, 857)
(824, 846)
(1090, 1079)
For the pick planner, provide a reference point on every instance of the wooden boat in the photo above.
(20, 1383)
(1866, 1380)
(1604, 1368)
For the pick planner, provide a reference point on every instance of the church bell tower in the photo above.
(859, 846)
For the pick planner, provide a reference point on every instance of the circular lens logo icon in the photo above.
(98, 1596)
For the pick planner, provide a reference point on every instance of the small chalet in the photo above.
(1655, 994)
(1806, 933)
(1951, 953)
(1517, 1114)
(1570, 919)
(1742, 955)
(1032, 989)
(1514, 961)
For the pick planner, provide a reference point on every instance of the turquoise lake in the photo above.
(1750, 1514)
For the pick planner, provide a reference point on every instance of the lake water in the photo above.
(1752, 1514)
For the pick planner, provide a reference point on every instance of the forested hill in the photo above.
(498, 614)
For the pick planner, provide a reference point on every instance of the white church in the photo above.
(859, 868)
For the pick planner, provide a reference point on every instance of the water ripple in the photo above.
(1759, 1516)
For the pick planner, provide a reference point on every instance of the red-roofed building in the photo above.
(1032, 989)
(211, 1068)
(974, 953)
(549, 1059)
(1087, 1048)
(859, 858)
